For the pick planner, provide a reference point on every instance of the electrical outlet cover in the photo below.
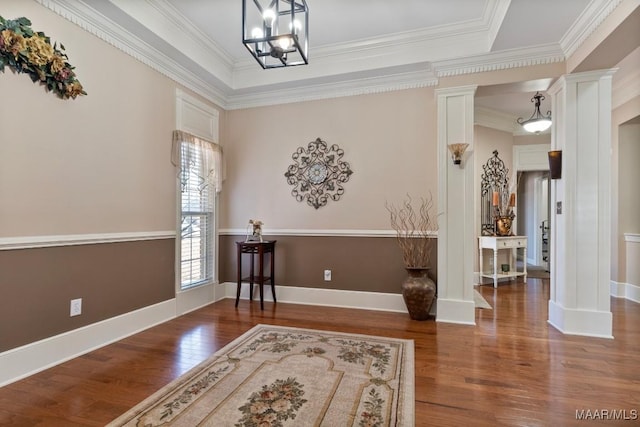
(76, 307)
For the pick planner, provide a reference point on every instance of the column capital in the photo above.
(457, 90)
(585, 76)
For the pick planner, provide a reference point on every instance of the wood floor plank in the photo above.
(511, 369)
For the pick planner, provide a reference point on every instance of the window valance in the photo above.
(202, 151)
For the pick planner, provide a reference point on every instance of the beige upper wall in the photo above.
(389, 140)
(629, 177)
(96, 164)
(117, 144)
(628, 111)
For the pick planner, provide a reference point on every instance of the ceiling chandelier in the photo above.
(276, 32)
(537, 122)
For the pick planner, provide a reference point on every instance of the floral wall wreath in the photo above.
(318, 173)
(26, 51)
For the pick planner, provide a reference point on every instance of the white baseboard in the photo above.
(195, 298)
(456, 311)
(588, 323)
(29, 359)
(626, 291)
(23, 361)
(325, 297)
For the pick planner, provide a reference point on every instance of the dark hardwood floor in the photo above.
(512, 368)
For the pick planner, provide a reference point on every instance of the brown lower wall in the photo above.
(371, 264)
(113, 278)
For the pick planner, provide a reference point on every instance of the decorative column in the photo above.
(456, 229)
(579, 301)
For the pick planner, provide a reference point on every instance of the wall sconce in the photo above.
(457, 151)
(555, 164)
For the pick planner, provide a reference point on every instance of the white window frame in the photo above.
(201, 120)
(203, 217)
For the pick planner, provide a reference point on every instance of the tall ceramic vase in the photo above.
(418, 291)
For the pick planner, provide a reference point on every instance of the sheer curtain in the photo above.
(200, 173)
(209, 151)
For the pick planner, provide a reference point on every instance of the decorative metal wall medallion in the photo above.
(317, 173)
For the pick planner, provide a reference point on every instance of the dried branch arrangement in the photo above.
(414, 228)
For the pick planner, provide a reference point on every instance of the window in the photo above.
(199, 169)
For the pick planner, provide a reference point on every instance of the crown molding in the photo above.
(468, 38)
(352, 87)
(511, 58)
(495, 13)
(356, 68)
(494, 119)
(595, 13)
(166, 22)
(89, 19)
(365, 56)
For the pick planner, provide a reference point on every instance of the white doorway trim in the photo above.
(531, 157)
(541, 210)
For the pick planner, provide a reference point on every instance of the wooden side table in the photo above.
(257, 248)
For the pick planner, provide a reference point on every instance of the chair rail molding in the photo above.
(28, 242)
(316, 232)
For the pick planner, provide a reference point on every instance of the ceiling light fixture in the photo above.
(537, 122)
(276, 32)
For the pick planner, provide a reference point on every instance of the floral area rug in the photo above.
(283, 376)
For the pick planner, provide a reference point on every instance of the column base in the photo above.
(589, 323)
(456, 311)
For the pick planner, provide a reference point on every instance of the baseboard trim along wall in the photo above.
(23, 361)
(626, 291)
(324, 297)
(195, 298)
(32, 358)
(27, 360)
(28, 242)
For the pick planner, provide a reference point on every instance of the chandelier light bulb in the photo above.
(285, 43)
(269, 17)
(295, 26)
(257, 33)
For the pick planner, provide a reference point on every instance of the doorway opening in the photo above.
(533, 220)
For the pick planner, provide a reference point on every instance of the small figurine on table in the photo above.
(256, 232)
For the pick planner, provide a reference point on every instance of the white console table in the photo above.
(497, 243)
